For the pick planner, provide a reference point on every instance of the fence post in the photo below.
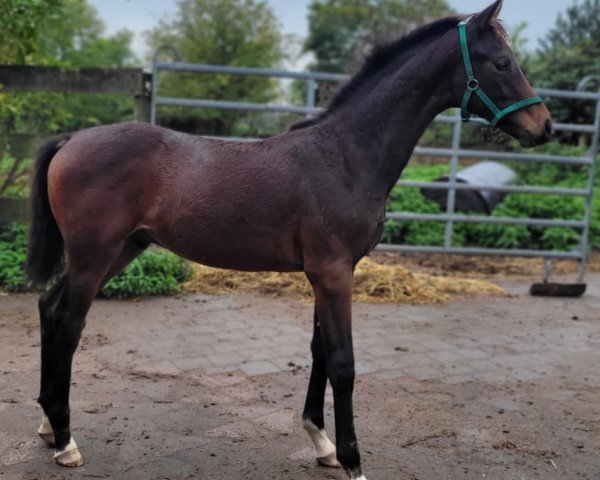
(594, 147)
(451, 202)
(142, 101)
(311, 86)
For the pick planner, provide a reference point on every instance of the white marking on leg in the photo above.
(354, 475)
(326, 454)
(45, 430)
(69, 456)
(323, 445)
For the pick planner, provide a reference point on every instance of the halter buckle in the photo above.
(472, 84)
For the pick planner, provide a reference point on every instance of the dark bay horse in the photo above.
(311, 199)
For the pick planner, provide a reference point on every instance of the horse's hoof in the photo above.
(70, 456)
(330, 461)
(45, 431)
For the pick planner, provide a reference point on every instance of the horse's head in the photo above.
(494, 84)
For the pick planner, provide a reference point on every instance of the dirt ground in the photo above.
(209, 387)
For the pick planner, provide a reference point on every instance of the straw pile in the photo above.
(373, 282)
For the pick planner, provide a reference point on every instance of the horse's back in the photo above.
(216, 202)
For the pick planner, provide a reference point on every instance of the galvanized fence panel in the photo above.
(455, 153)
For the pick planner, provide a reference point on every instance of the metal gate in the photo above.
(454, 154)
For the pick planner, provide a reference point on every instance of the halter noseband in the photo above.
(473, 86)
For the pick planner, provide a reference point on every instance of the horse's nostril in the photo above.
(549, 129)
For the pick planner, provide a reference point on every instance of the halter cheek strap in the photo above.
(473, 86)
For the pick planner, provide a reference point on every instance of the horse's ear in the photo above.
(487, 17)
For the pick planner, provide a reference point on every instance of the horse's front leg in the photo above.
(332, 284)
(312, 418)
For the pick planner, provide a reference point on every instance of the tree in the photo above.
(21, 21)
(568, 53)
(64, 33)
(19, 42)
(341, 32)
(76, 38)
(222, 32)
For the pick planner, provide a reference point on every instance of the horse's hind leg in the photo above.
(62, 311)
(62, 323)
(312, 418)
(47, 306)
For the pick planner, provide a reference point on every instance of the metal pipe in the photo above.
(577, 192)
(456, 218)
(153, 94)
(497, 252)
(311, 87)
(587, 218)
(451, 201)
(523, 157)
(226, 105)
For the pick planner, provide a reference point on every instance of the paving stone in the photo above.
(210, 369)
(446, 356)
(423, 372)
(472, 353)
(260, 367)
(455, 368)
(458, 378)
(252, 354)
(396, 341)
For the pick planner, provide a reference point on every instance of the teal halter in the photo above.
(473, 86)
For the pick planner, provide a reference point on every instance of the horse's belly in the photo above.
(235, 249)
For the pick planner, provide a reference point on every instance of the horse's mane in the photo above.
(379, 58)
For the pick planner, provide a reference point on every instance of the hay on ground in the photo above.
(373, 282)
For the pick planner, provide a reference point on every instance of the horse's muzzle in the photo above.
(531, 139)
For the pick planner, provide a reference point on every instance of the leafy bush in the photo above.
(413, 233)
(154, 272)
(514, 205)
(13, 252)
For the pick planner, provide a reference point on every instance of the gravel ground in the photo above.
(211, 387)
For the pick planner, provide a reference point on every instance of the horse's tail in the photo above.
(46, 247)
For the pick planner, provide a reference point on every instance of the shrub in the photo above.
(154, 272)
(413, 232)
(514, 205)
(13, 253)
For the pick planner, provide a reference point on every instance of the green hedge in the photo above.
(513, 205)
(154, 272)
(13, 253)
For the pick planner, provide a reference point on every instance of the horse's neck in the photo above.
(386, 119)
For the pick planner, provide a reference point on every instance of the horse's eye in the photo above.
(502, 65)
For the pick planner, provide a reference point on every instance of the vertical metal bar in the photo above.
(142, 101)
(547, 269)
(153, 93)
(451, 202)
(311, 87)
(588, 200)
